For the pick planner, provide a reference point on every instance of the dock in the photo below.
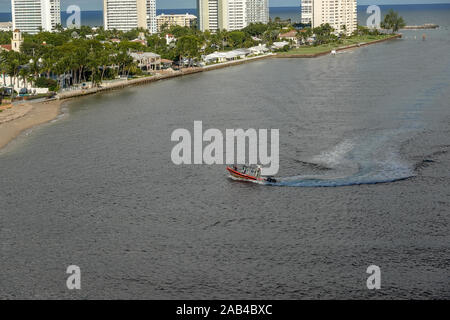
(422, 27)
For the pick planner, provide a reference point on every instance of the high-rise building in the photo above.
(257, 11)
(236, 14)
(151, 16)
(29, 16)
(125, 15)
(340, 14)
(6, 26)
(231, 14)
(307, 11)
(210, 15)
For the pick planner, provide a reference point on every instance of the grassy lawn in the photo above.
(331, 46)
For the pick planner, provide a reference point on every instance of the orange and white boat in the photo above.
(248, 173)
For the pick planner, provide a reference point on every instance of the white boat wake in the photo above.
(368, 161)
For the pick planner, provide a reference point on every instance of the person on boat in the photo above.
(258, 171)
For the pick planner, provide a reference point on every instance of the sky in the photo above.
(5, 5)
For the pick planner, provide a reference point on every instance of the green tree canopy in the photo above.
(393, 21)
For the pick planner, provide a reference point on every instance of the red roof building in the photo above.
(289, 35)
(6, 47)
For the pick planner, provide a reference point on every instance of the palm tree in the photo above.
(47, 64)
(104, 60)
(59, 27)
(23, 73)
(344, 31)
(34, 66)
(4, 65)
(14, 65)
(305, 34)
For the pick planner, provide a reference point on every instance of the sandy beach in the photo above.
(25, 116)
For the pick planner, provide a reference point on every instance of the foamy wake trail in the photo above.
(368, 161)
(335, 156)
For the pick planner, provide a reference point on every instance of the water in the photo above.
(97, 188)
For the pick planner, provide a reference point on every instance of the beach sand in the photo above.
(37, 113)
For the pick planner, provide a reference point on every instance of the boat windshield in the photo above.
(251, 171)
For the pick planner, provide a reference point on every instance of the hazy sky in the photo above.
(5, 5)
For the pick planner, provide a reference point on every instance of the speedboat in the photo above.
(248, 173)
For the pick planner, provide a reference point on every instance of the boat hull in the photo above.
(239, 175)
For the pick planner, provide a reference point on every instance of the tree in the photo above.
(23, 74)
(59, 27)
(255, 29)
(393, 21)
(179, 31)
(188, 47)
(344, 31)
(156, 43)
(236, 38)
(270, 36)
(305, 34)
(4, 65)
(104, 60)
(323, 33)
(5, 37)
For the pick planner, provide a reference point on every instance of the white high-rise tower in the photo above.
(340, 14)
(236, 14)
(257, 11)
(212, 15)
(231, 14)
(125, 15)
(30, 15)
(307, 11)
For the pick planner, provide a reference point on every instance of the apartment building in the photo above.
(231, 14)
(307, 11)
(183, 20)
(257, 11)
(236, 14)
(210, 15)
(6, 26)
(125, 15)
(29, 16)
(340, 14)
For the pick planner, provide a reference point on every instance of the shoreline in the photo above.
(144, 80)
(188, 71)
(45, 111)
(38, 113)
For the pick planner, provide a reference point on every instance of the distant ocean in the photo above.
(413, 14)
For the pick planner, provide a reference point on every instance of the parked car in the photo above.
(6, 91)
(23, 92)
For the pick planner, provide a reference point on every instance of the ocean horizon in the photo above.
(95, 18)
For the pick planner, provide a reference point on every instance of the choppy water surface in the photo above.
(97, 187)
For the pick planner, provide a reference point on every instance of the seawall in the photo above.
(138, 81)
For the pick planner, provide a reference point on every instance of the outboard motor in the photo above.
(271, 179)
